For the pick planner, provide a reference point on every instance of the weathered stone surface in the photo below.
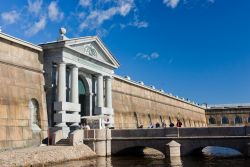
(21, 80)
(136, 105)
(2, 133)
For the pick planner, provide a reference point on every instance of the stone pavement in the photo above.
(39, 156)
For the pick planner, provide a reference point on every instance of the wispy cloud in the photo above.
(85, 3)
(36, 27)
(151, 56)
(98, 16)
(211, 1)
(53, 12)
(35, 6)
(171, 3)
(170, 61)
(10, 17)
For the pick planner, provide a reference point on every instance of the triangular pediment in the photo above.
(94, 48)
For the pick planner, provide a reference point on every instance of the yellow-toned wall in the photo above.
(21, 80)
(132, 102)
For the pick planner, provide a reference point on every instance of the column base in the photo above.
(65, 130)
(104, 111)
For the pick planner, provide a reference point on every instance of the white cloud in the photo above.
(139, 24)
(151, 56)
(10, 17)
(211, 1)
(171, 3)
(35, 6)
(85, 3)
(53, 11)
(36, 27)
(98, 16)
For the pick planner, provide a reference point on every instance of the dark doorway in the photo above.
(82, 96)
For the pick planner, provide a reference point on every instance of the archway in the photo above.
(84, 99)
(34, 115)
(140, 151)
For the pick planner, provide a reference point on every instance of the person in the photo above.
(163, 124)
(178, 124)
(150, 125)
(157, 125)
(171, 124)
(140, 127)
(87, 127)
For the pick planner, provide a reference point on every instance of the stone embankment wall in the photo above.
(135, 104)
(22, 85)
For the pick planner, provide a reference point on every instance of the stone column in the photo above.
(100, 91)
(62, 82)
(74, 85)
(108, 93)
(60, 115)
(74, 95)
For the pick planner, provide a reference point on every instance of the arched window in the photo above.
(211, 120)
(224, 120)
(34, 113)
(238, 120)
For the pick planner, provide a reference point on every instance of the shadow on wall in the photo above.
(141, 152)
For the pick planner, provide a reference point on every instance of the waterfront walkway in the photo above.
(36, 156)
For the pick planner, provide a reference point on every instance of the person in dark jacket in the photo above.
(178, 124)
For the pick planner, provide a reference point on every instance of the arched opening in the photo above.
(224, 120)
(140, 151)
(84, 99)
(217, 151)
(238, 120)
(34, 115)
(211, 120)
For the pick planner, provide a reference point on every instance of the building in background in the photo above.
(228, 115)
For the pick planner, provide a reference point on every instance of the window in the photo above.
(34, 112)
(238, 120)
(248, 120)
(224, 120)
(211, 120)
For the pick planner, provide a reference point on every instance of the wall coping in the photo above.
(20, 42)
(156, 91)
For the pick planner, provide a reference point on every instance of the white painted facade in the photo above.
(68, 62)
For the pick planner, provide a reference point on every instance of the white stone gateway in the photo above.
(78, 76)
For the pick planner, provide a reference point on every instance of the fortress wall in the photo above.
(21, 80)
(136, 105)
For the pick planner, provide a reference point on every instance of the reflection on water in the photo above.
(175, 162)
(148, 162)
(160, 161)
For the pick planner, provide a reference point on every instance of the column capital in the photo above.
(73, 66)
(108, 77)
(61, 63)
(99, 75)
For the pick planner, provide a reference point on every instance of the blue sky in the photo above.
(196, 49)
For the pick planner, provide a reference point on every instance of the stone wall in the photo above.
(21, 79)
(136, 105)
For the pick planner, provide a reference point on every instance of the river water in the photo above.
(148, 162)
(211, 157)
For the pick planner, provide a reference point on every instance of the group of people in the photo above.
(163, 125)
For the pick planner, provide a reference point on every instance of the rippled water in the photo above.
(148, 162)
(212, 157)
